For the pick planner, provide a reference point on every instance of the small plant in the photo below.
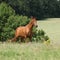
(47, 42)
(39, 35)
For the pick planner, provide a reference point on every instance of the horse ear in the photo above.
(32, 17)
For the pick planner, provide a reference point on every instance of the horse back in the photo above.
(22, 31)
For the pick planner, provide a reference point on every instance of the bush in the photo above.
(12, 23)
(5, 12)
(39, 35)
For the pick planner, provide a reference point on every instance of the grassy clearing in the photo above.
(52, 28)
(28, 51)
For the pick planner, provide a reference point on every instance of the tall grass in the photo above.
(35, 51)
(28, 51)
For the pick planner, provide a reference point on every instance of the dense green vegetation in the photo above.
(39, 9)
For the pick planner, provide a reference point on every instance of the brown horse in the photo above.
(25, 31)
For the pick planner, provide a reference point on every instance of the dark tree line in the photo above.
(37, 8)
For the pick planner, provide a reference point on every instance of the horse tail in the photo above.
(13, 39)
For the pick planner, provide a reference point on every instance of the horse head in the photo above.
(34, 21)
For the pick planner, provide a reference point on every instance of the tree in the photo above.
(39, 9)
(5, 12)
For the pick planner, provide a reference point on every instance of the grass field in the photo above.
(28, 51)
(35, 51)
(52, 28)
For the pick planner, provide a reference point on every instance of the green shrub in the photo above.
(39, 36)
(12, 23)
(5, 12)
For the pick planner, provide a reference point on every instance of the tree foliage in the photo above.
(39, 9)
(5, 12)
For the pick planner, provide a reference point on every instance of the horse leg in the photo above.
(22, 39)
(15, 38)
(30, 37)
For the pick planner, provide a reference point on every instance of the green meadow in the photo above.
(52, 28)
(33, 50)
(28, 51)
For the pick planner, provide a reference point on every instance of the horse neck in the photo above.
(30, 25)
